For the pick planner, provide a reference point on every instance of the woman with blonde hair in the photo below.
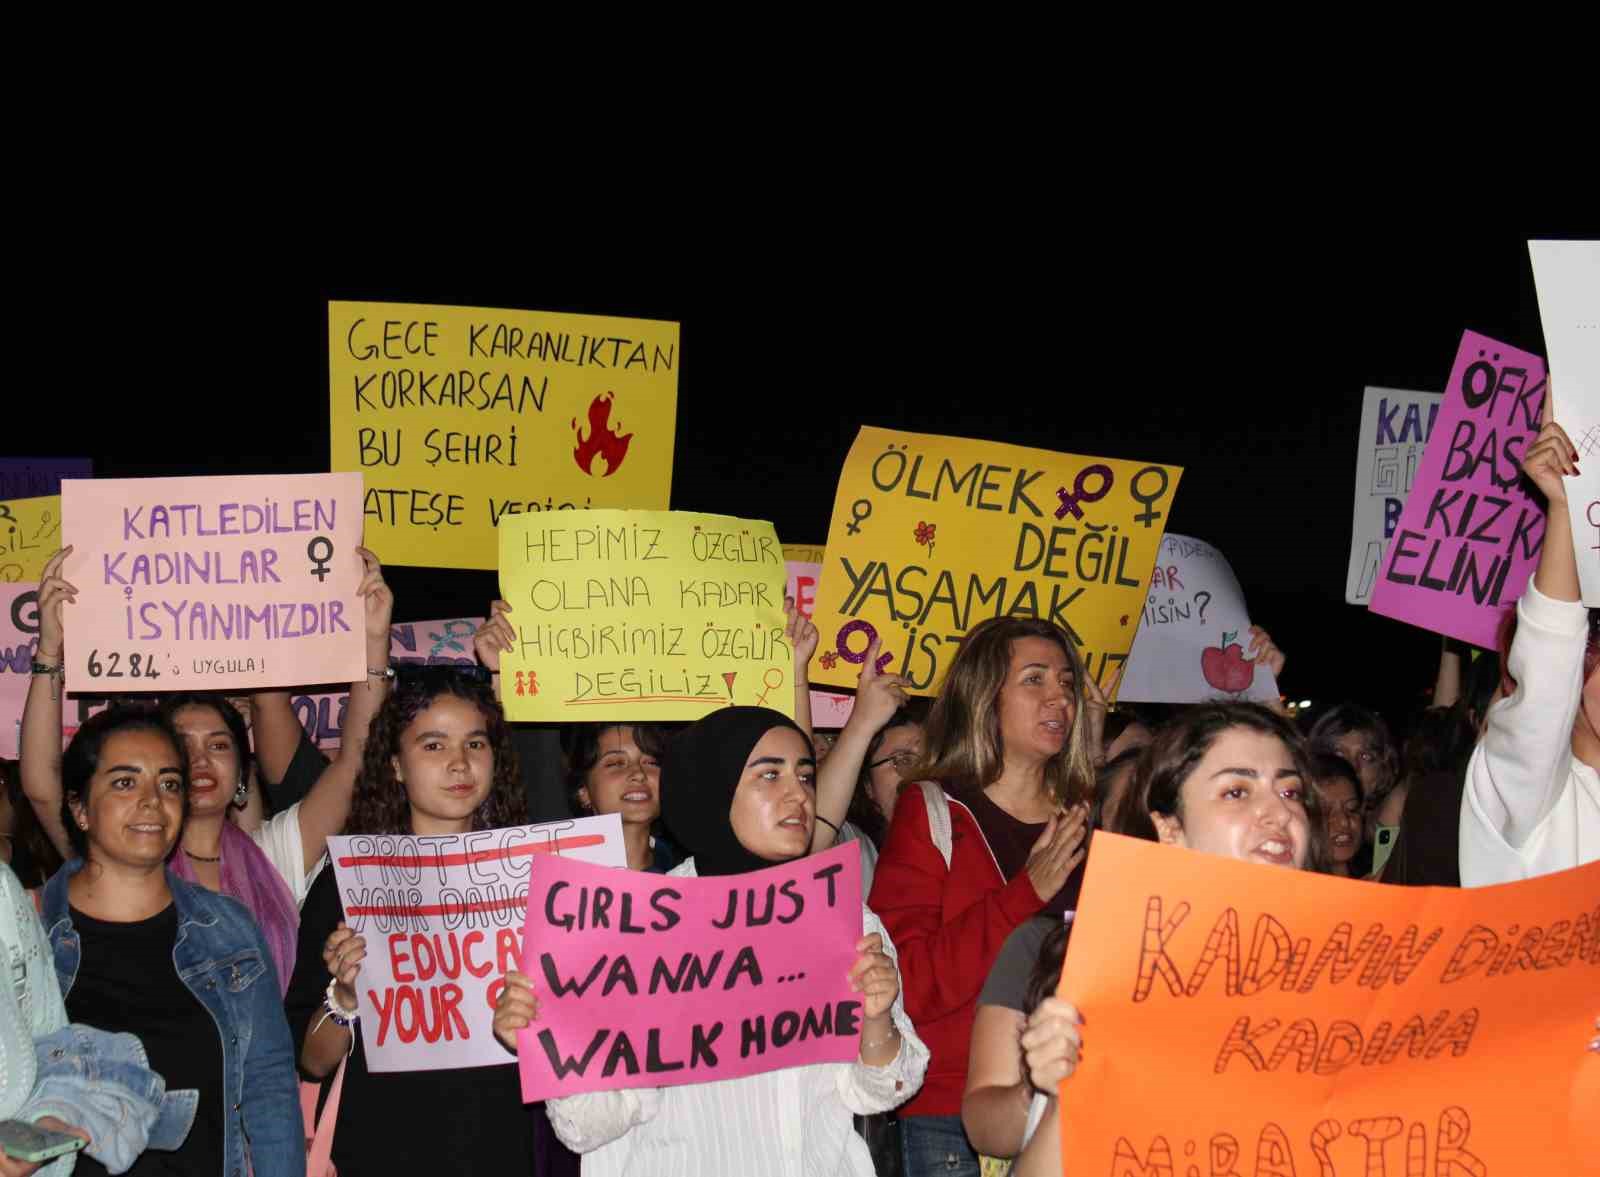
(992, 835)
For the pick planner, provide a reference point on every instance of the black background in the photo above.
(1235, 344)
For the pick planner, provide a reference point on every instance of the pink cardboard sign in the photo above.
(652, 981)
(19, 639)
(213, 583)
(1469, 534)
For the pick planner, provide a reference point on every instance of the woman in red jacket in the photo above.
(994, 835)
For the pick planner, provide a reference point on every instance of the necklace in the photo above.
(201, 857)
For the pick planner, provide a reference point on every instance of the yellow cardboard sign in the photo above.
(30, 532)
(458, 416)
(931, 535)
(642, 615)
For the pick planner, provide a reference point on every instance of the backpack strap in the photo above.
(938, 817)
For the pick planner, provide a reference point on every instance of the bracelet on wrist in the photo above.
(385, 672)
(337, 1012)
(894, 1032)
(58, 670)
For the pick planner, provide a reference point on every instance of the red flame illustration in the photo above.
(611, 446)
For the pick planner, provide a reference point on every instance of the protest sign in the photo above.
(30, 478)
(1193, 633)
(931, 535)
(803, 553)
(1469, 534)
(411, 643)
(442, 916)
(828, 708)
(640, 615)
(645, 981)
(1395, 425)
(214, 583)
(1567, 275)
(19, 640)
(1242, 1018)
(461, 415)
(30, 533)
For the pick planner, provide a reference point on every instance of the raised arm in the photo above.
(878, 697)
(1447, 682)
(1522, 765)
(326, 808)
(275, 733)
(802, 638)
(41, 713)
(495, 636)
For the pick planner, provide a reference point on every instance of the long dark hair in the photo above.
(580, 752)
(82, 758)
(231, 719)
(34, 857)
(1352, 717)
(381, 806)
(1181, 743)
(1046, 976)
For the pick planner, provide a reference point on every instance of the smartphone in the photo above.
(29, 1142)
(1383, 846)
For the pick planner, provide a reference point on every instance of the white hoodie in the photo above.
(1530, 806)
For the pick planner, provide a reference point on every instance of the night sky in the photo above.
(1228, 344)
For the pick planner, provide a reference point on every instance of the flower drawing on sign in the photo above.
(1225, 667)
(828, 659)
(610, 445)
(924, 536)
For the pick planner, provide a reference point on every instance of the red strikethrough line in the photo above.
(559, 845)
(437, 908)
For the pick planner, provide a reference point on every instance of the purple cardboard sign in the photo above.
(32, 478)
(1470, 534)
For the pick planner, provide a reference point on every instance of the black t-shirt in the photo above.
(127, 981)
(304, 770)
(1012, 841)
(463, 1120)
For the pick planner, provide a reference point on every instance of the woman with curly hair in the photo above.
(438, 761)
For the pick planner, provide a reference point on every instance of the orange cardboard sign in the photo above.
(1242, 1023)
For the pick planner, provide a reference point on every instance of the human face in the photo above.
(213, 759)
(1364, 754)
(1037, 702)
(133, 810)
(1343, 807)
(1243, 800)
(775, 804)
(624, 780)
(901, 748)
(446, 764)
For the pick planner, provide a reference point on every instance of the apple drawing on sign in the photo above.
(1225, 667)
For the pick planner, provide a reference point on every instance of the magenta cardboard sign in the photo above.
(1469, 536)
(653, 981)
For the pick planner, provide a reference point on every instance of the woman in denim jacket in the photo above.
(187, 970)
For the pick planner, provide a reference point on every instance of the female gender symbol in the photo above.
(319, 564)
(1069, 502)
(860, 511)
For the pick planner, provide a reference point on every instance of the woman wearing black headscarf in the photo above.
(737, 791)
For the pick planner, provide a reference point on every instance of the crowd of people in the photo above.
(186, 939)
